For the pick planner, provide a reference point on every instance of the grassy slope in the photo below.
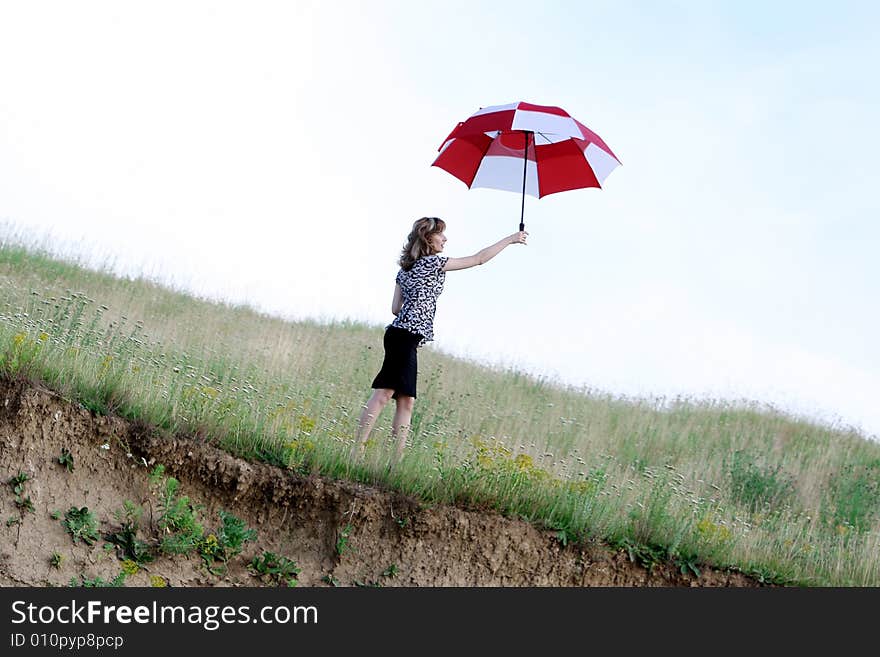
(700, 482)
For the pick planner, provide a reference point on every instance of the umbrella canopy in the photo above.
(535, 149)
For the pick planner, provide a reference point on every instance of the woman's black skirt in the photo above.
(400, 367)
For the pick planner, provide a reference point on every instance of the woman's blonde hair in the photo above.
(417, 244)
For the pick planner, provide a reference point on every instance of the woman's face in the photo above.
(436, 241)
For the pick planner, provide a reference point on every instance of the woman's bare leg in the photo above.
(372, 408)
(400, 425)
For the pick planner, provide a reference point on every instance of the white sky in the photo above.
(277, 154)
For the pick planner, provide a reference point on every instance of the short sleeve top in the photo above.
(420, 287)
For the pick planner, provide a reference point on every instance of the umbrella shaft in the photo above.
(522, 210)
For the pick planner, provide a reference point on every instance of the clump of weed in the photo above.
(126, 540)
(178, 516)
(646, 554)
(852, 502)
(232, 534)
(687, 562)
(22, 501)
(272, 568)
(227, 543)
(183, 533)
(765, 489)
(130, 567)
(391, 571)
(81, 524)
(342, 545)
(66, 459)
(56, 559)
(98, 582)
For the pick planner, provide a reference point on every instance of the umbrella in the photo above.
(536, 149)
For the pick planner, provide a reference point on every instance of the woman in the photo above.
(419, 283)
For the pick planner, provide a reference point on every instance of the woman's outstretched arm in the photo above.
(485, 255)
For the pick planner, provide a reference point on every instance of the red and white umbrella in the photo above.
(536, 149)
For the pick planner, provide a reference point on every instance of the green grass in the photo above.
(698, 482)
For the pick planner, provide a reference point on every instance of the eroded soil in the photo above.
(297, 517)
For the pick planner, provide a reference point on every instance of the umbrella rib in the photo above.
(549, 141)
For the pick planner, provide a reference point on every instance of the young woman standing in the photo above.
(419, 282)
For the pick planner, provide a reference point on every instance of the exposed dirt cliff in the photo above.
(393, 540)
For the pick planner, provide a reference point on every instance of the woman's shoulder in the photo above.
(431, 261)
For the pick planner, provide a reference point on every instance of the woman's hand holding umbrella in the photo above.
(519, 237)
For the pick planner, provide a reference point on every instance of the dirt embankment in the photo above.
(392, 540)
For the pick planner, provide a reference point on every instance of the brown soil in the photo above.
(298, 517)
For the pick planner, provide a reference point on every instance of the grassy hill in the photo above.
(695, 482)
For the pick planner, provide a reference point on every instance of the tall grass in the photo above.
(699, 482)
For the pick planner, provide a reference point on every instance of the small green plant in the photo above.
(56, 559)
(687, 563)
(367, 584)
(56, 514)
(232, 534)
(272, 568)
(646, 555)
(391, 571)
(765, 576)
(156, 475)
(126, 540)
(332, 581)
(22, 501)
(81, 524)
(563, 534)
(130, 567)
(178, 517)
(342, 545)
(217, 549)
(98, 582)
(66, 459)
(12, 521)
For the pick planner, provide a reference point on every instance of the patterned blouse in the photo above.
(420, 286)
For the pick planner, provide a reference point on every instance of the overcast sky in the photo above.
(278, 153)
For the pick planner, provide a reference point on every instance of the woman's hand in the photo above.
(518, 237)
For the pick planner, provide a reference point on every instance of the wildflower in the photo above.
(130, 567)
